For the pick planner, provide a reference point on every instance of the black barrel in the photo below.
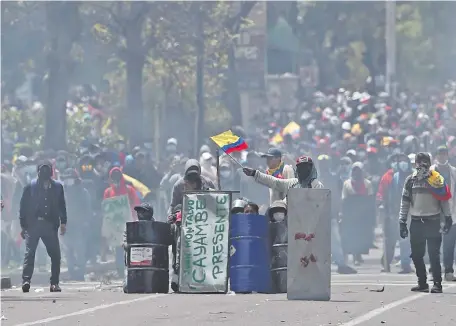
(147, 257)
(279, 255)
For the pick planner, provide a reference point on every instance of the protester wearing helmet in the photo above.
(306, 177)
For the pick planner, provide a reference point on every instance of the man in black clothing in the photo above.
(42, 211)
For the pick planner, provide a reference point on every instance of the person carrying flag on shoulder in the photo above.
(425, 197)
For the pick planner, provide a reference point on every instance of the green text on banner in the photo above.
(116, 212)
(204, 243)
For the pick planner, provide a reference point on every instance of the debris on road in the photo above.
(39, 290)
(378, 290)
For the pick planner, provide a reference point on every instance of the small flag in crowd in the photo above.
(292, 129)
(438, 187)
(229, 142)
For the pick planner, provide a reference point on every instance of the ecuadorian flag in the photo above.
(229, 142)
(438, 187)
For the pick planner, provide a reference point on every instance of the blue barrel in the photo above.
(249, 254)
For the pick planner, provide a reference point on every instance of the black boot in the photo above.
(55, 288)
(421, 287)
(25, 286)
(437, 288)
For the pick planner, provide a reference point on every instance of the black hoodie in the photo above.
(178, 189)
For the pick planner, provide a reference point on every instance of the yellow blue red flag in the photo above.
(438, 187)
(229, 142)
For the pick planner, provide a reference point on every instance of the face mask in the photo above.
(120, 147)
(171, 148)
(278, 216)
(68, 182)
(394, 166)
(225, 174)
(403, 166)
(144, 216)
(444, 163)
(61, 165)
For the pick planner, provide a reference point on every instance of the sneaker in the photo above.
(55, 288)
(421, 288)
(26, 286)
(437, 288)
(449, 277)
(345, 269)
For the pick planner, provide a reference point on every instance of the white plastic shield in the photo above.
(309, 244)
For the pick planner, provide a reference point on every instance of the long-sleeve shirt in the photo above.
(418, 201)
(282, 185)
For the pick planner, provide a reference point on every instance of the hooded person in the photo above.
(42, 211)
(118, 187)
(425, 197)
(390, 200)
(305, 177)
(207, 169)
(357, 214)
(192, 180)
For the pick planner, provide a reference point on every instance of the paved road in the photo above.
(353, 302)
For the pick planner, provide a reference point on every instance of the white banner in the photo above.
(116, 212)
(204, 243)
(309, 244)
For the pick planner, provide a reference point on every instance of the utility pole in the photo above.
(390, 38)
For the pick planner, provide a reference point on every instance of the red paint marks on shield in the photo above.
(305, 261)
(306, 237)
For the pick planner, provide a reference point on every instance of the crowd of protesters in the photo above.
(362, 145)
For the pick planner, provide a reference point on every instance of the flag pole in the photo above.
(218, 170)
(234, 160)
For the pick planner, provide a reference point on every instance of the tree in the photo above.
(63, 30)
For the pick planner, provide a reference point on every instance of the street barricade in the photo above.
(205, 242)
(249, 254)
(309, 244)
(147, 257)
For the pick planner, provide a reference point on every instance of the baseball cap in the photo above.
(442, 149)
(272, 152)
(145, 207)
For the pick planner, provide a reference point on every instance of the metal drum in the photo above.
(147, 258)
(279, 256)
(249, 254)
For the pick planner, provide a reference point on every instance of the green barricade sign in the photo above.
(204, 243)
(116, 212)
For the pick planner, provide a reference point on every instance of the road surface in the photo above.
(353, 302)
